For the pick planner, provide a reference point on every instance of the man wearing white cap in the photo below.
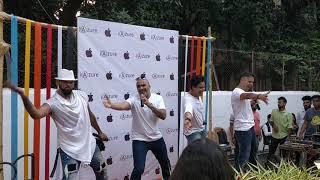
(73, 118)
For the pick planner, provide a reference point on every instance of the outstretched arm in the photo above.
(35, 113)
(254, 96)
(116, 106)
(95, 125)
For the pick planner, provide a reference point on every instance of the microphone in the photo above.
(142, 104)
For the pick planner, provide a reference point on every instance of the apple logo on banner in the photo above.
(172, 76)
(171, 149)
(127, 137)
(109, 118)
(126, 55)
(126, 177)
(171, 112)
(109, 160)
(126, 96)
(142, 36)
(143, 75)
(107, 32)
(171, 40)
(90, 96)
(109, 75)
(89, 52)
(158, 57)
(157, 171)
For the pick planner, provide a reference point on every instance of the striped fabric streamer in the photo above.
(37, 86)
(48, 84)
(14, 96)
(203, 57)
(59, 49)
(192, 57)
(26, 91)
(198, 63)
(210, 91)
(185, 65)
(207, 80)
(181, 125)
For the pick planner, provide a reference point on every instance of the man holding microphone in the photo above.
(147, 109)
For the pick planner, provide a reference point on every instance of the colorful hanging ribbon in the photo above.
(198, 63)
(48, 84)
(37, 86)
(192, 57)
(14, 96)
(185, 65)
(203, 56)
(181, 124)
(207, 80)
(26, 91)
(59, 49)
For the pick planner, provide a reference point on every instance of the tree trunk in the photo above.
(68, 15)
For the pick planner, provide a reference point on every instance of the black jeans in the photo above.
(140, 149)
(274, 145)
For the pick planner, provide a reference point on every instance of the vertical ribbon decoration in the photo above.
(48, 85)
(192, 57)
(208, 79)
(181, 125)
(198, 63)
(14, 96)
(203, 66)
(26, 91)
(37, 86)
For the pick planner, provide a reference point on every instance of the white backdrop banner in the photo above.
(110, 57)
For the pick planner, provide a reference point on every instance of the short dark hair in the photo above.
(196, 80)
(246, 74)
(269, 116)
(283, 99)
(306, 98)
(317, 96)
(202, 159)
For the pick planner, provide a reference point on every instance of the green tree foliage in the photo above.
(287, 29)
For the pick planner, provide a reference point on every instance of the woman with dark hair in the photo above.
(203, 160)
(295, 127)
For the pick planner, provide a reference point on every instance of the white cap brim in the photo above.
(63, 79)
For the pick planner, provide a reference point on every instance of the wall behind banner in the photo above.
(110, 57)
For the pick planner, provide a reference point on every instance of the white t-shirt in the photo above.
(144, 121)
(195, 107)
(242, 111)
(73, 125)
(300, 118)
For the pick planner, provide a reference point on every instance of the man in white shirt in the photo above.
(194, 110)
(147, 110)
(244, 120)
(73, 118)
(300, 115)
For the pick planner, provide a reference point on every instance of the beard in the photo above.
(66, 92)
(307, 107)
